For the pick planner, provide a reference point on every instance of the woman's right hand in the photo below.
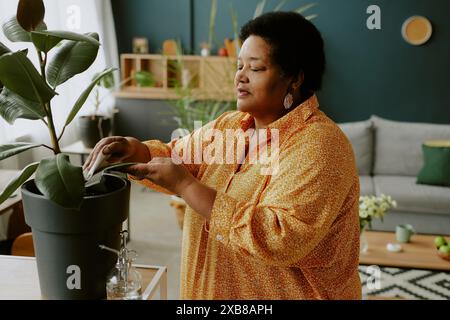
(119, 149)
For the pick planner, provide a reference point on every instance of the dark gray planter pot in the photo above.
(66, 241)
(92, 129)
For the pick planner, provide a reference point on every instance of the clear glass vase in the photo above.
(363, 243)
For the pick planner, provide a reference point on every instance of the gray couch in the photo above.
(389, 158)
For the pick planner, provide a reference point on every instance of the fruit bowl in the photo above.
(443, 247)
(443, 255)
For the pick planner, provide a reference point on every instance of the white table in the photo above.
(19, 279)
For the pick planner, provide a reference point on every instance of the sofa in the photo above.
(389, 158)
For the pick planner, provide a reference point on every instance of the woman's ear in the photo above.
(298, 81)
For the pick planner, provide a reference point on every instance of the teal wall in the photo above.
(369, 72)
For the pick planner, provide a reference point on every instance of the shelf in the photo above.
(209, 78)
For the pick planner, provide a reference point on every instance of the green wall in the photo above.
(369, 72)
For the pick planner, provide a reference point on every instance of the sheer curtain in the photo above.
(78, 16)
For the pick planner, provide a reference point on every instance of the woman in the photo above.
(289, 234)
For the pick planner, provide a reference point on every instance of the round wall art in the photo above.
(417, 30)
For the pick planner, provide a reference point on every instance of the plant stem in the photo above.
(52, 130)
(62, 132)
(45, 146)
(47, 107)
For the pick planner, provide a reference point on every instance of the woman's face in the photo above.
(260, 86)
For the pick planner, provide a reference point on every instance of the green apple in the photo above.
(445, 249)
(440, 241)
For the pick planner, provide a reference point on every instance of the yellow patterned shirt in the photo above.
(293, 234)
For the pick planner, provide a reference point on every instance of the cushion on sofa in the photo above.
(413, 197)
(366, 186)
(360, 135)
(398, 145)
(436, 170)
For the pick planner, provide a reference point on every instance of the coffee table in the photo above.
(420, 253)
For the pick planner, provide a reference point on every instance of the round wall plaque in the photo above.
(417, 30)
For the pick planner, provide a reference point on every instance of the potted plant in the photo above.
(69, 220)
(94, 127)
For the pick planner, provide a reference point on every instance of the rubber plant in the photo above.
(27, 93)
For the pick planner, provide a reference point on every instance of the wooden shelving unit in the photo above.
(210, 78)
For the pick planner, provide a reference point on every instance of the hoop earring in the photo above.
(288, 101)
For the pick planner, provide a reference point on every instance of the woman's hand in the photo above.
(164, 173)
(119, 149)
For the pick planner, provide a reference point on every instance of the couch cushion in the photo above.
(366, 186)
(360, 135)
(436, 170)
(398, 145)
(412, 197)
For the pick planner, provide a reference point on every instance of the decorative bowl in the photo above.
(445, 256)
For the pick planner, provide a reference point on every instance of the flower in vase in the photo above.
(371, 207)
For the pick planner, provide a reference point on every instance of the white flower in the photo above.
(363, 214)
(371, 206)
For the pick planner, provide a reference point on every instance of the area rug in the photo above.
(411, 284)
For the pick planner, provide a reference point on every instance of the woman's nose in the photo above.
(241, 77)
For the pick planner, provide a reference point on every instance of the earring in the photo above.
(288, 101)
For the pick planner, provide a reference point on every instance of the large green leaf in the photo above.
(91, 38)
(83, 97)
(15, 33)
(60, 181)
(19, 75)
(18, 181)
(106, 82)
(9, 150)
(47, 40)
(72, 58)
(13, 107)
(44, 42)
(30, 13)
(3, 49)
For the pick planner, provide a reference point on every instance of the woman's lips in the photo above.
(243, 93)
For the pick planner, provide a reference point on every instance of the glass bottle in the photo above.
(363, 243)
(124, 281)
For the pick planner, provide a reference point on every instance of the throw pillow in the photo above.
(436, 170)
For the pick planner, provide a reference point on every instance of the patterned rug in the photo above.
(408, 284)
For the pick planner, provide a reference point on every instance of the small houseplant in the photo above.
(69, 220)
(95, 126)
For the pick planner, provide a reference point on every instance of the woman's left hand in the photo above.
(164, 173)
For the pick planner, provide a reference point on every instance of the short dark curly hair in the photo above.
(296, 45)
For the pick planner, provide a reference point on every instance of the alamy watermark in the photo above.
(374, 280)
(374, 20)
(73, 21)
(73, 281)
